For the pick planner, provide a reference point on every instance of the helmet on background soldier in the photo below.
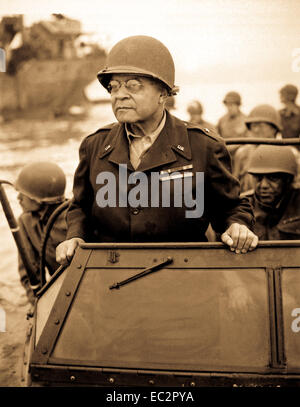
(194, 108)
(268, 159)
(265, 114)
(44, 182)
(232, 97)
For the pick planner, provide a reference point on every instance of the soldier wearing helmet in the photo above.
(195, 111)
(275, 201)
(232, 124)
(262, 122)
(41, 188)
(290, 114)
(148, 140)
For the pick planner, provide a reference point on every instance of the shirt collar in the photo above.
(153, 136)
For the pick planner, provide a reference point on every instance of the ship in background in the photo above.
(48, 66)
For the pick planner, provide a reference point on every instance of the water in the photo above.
(22, 142)
(25, 141)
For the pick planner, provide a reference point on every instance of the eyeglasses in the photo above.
(131, 85)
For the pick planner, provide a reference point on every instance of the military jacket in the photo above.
(232, 127)
(280, 223)
(32, 228)
(181, 148)
(290, 121)
(241, 161)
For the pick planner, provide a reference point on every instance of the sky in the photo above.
(215, 41)
(217, 37)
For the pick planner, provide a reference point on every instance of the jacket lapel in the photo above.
(116, 146)
(173, 138)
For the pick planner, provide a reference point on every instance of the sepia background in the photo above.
(251, 47)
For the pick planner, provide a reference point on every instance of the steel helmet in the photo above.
(232, 97)
(290, 92)
(267, 159)
(141, 55)
(266, 114)
(42, 181)
(195, 107)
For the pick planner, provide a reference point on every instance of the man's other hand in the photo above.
(65, 250)
(239, 238)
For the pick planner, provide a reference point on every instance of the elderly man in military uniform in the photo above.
(147, 141)
(275, 201)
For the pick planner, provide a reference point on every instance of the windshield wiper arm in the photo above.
(143, 273)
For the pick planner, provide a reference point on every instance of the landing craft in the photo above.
(46, 67)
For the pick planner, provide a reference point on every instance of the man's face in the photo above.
(269, 187)
(28, 204)
(283, 98)
(232, 108)
(263, 130)
(140, 102)
(286, 98)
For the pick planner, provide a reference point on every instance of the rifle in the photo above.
(15, 230)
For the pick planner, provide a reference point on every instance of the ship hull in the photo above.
(48, 85)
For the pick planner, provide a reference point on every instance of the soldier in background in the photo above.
(275, 201)
(41, 187)
(195, 111)
(290, 114)
(262, 122)
(232, 124)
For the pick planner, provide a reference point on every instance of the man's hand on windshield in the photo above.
(65, 250)
(239, 238)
